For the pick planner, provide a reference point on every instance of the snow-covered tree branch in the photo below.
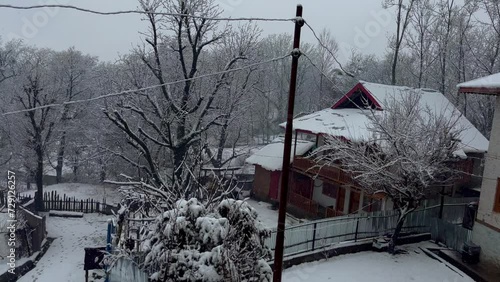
(409, 155)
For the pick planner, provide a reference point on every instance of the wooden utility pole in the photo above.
(280, 235)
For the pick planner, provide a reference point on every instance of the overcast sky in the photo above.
(360, 24)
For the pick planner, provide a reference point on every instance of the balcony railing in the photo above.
(303, 203)
(329, 212)
(330, 172)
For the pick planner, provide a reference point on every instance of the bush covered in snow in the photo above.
(194, 243)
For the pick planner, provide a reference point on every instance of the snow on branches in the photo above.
(193, 243)
(409, 154)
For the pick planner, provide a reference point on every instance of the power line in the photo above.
(131, 91)
(124, 12)
(331, 81)
(328, 50)
(323, 73)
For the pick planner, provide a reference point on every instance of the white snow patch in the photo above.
(491, 82)
(64, 259)
(349, 123)
(66, 214)
(271, 156)
(267, 216)
(378, 267)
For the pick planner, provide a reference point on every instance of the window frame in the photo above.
(496, 203)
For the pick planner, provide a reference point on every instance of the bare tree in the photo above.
(325, 61)
(168, 123)
(420, 38)
(35, 90)
(73, 73)
(408, 155)
(404, 10)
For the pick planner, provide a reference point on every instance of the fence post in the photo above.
(138, 240)
(356, 234)
(314, 235)
(108, 244)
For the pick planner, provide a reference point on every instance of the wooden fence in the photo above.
(53, 201)
(303, 203)
(38, 228)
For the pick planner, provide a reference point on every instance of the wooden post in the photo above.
(314, 235)
(441, 205)
(357, 227)
(280, 231)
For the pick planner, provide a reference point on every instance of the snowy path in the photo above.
(376, 267)
(63, 261)
(268, 216)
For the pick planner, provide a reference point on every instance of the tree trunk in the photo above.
(179, 156)
(75, 173)
(394, 65)
(60, 158)
(102, 174)
(76, 165)
(39, 174)
(397, 231)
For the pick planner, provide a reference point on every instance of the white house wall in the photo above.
(319, 197)
(484, 232)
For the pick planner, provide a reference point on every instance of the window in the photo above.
(330, 190)
(496, 207)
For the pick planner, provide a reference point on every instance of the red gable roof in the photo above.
(358, 87)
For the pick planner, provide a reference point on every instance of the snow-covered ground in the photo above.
(377, 267)
(268, 216)
(83, 191)
(64, 259)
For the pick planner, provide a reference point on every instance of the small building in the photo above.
(320, 190)
(486, 231)
(268, 163)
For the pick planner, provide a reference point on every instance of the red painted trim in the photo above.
(361, 88)
(479, 90)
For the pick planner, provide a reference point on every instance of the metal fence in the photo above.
(323, 233)
(452, 235)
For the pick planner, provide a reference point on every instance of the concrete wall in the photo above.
(486, 231)
(491, 174)
(489, 240)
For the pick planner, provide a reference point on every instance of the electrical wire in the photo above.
(142, 12)
(131, 91)
(328, 50)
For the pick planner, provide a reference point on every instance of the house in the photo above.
(319, 190)
(486, 231)
(268, 163)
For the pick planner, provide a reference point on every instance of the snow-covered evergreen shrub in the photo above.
(191, 243)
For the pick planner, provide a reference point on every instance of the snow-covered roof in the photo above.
(271, 156)
(352, 122)
(487, 82)
(336, 122)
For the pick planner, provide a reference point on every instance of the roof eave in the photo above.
(479, 90)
